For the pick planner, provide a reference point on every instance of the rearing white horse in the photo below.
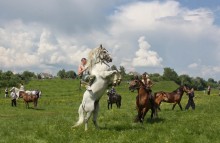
(97, 63)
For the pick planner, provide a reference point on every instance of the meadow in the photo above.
(58, 110)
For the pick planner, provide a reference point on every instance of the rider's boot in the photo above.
(91, 80)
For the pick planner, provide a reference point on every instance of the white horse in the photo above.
(34, 92)
(97, 63)
(16, 91)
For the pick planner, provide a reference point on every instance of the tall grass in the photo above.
(57, 112)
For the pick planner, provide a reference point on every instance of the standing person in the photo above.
(6, 92)
(13, 99)
(190, 100)
(84, 74)
(209, 90)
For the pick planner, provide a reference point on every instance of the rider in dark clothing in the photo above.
(113, 91)
(190, 100)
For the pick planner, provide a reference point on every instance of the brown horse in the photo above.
(158, 98)
(144, 100)
(175, 96)
(29, 98)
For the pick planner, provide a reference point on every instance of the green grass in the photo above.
(57, 112)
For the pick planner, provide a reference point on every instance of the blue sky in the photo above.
(46, 36)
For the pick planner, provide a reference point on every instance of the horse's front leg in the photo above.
(180, 106)
(174, 105)
(95, 113)
(108, 73)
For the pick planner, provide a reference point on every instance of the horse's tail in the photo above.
(81, 117)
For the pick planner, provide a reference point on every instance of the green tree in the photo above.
(70, 74)
(113, 67)
(62, 74)
(185, 79)
(199, 83)
(170, 74)
(156, 77)
(122, 69)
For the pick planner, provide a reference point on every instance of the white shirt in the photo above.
(13, 95)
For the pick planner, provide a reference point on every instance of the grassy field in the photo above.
(57, 112)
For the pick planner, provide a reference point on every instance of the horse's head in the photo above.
(163, 97)
(160, 96)
(185, 88)
(134, 84)
(21, 94)
(104, 55)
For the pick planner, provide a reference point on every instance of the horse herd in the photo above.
(146, 101)
(97, 64)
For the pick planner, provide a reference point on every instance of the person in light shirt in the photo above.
(13, 99)
(84, 74)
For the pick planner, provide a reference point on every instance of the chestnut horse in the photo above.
(175, 96)
(158, 98)
(29, 98)
(144, 101)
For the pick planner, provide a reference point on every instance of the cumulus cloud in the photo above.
(53, 35)
(24, 49)
(145, 57)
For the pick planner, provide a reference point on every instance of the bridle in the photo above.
(99, 57)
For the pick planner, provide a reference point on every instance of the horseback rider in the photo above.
(112, 91)
(84, 74)
(147, 82)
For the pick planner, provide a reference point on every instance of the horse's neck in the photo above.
(93, 59)
(142, 90)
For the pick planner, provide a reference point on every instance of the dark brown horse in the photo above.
(175, 96)
(144, 100)
(29, 98)
(114, 98)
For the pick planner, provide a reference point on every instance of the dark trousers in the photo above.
(13, 102)
(190, 103)
(209, 92)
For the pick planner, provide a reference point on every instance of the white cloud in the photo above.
(145, 57)
(58, 37)
(193, 65)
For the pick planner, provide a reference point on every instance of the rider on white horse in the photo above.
(98, 60)
(84, 74)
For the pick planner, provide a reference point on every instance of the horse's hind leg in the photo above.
(88, 115)
(95, 113)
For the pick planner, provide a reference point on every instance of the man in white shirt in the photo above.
(13, 99)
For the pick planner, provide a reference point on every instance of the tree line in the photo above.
(9, 79)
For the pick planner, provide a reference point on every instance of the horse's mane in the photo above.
(90, 61)
(180, 88)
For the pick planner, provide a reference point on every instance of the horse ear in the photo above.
(101, 46)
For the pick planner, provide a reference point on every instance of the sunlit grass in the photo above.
(57, 112)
